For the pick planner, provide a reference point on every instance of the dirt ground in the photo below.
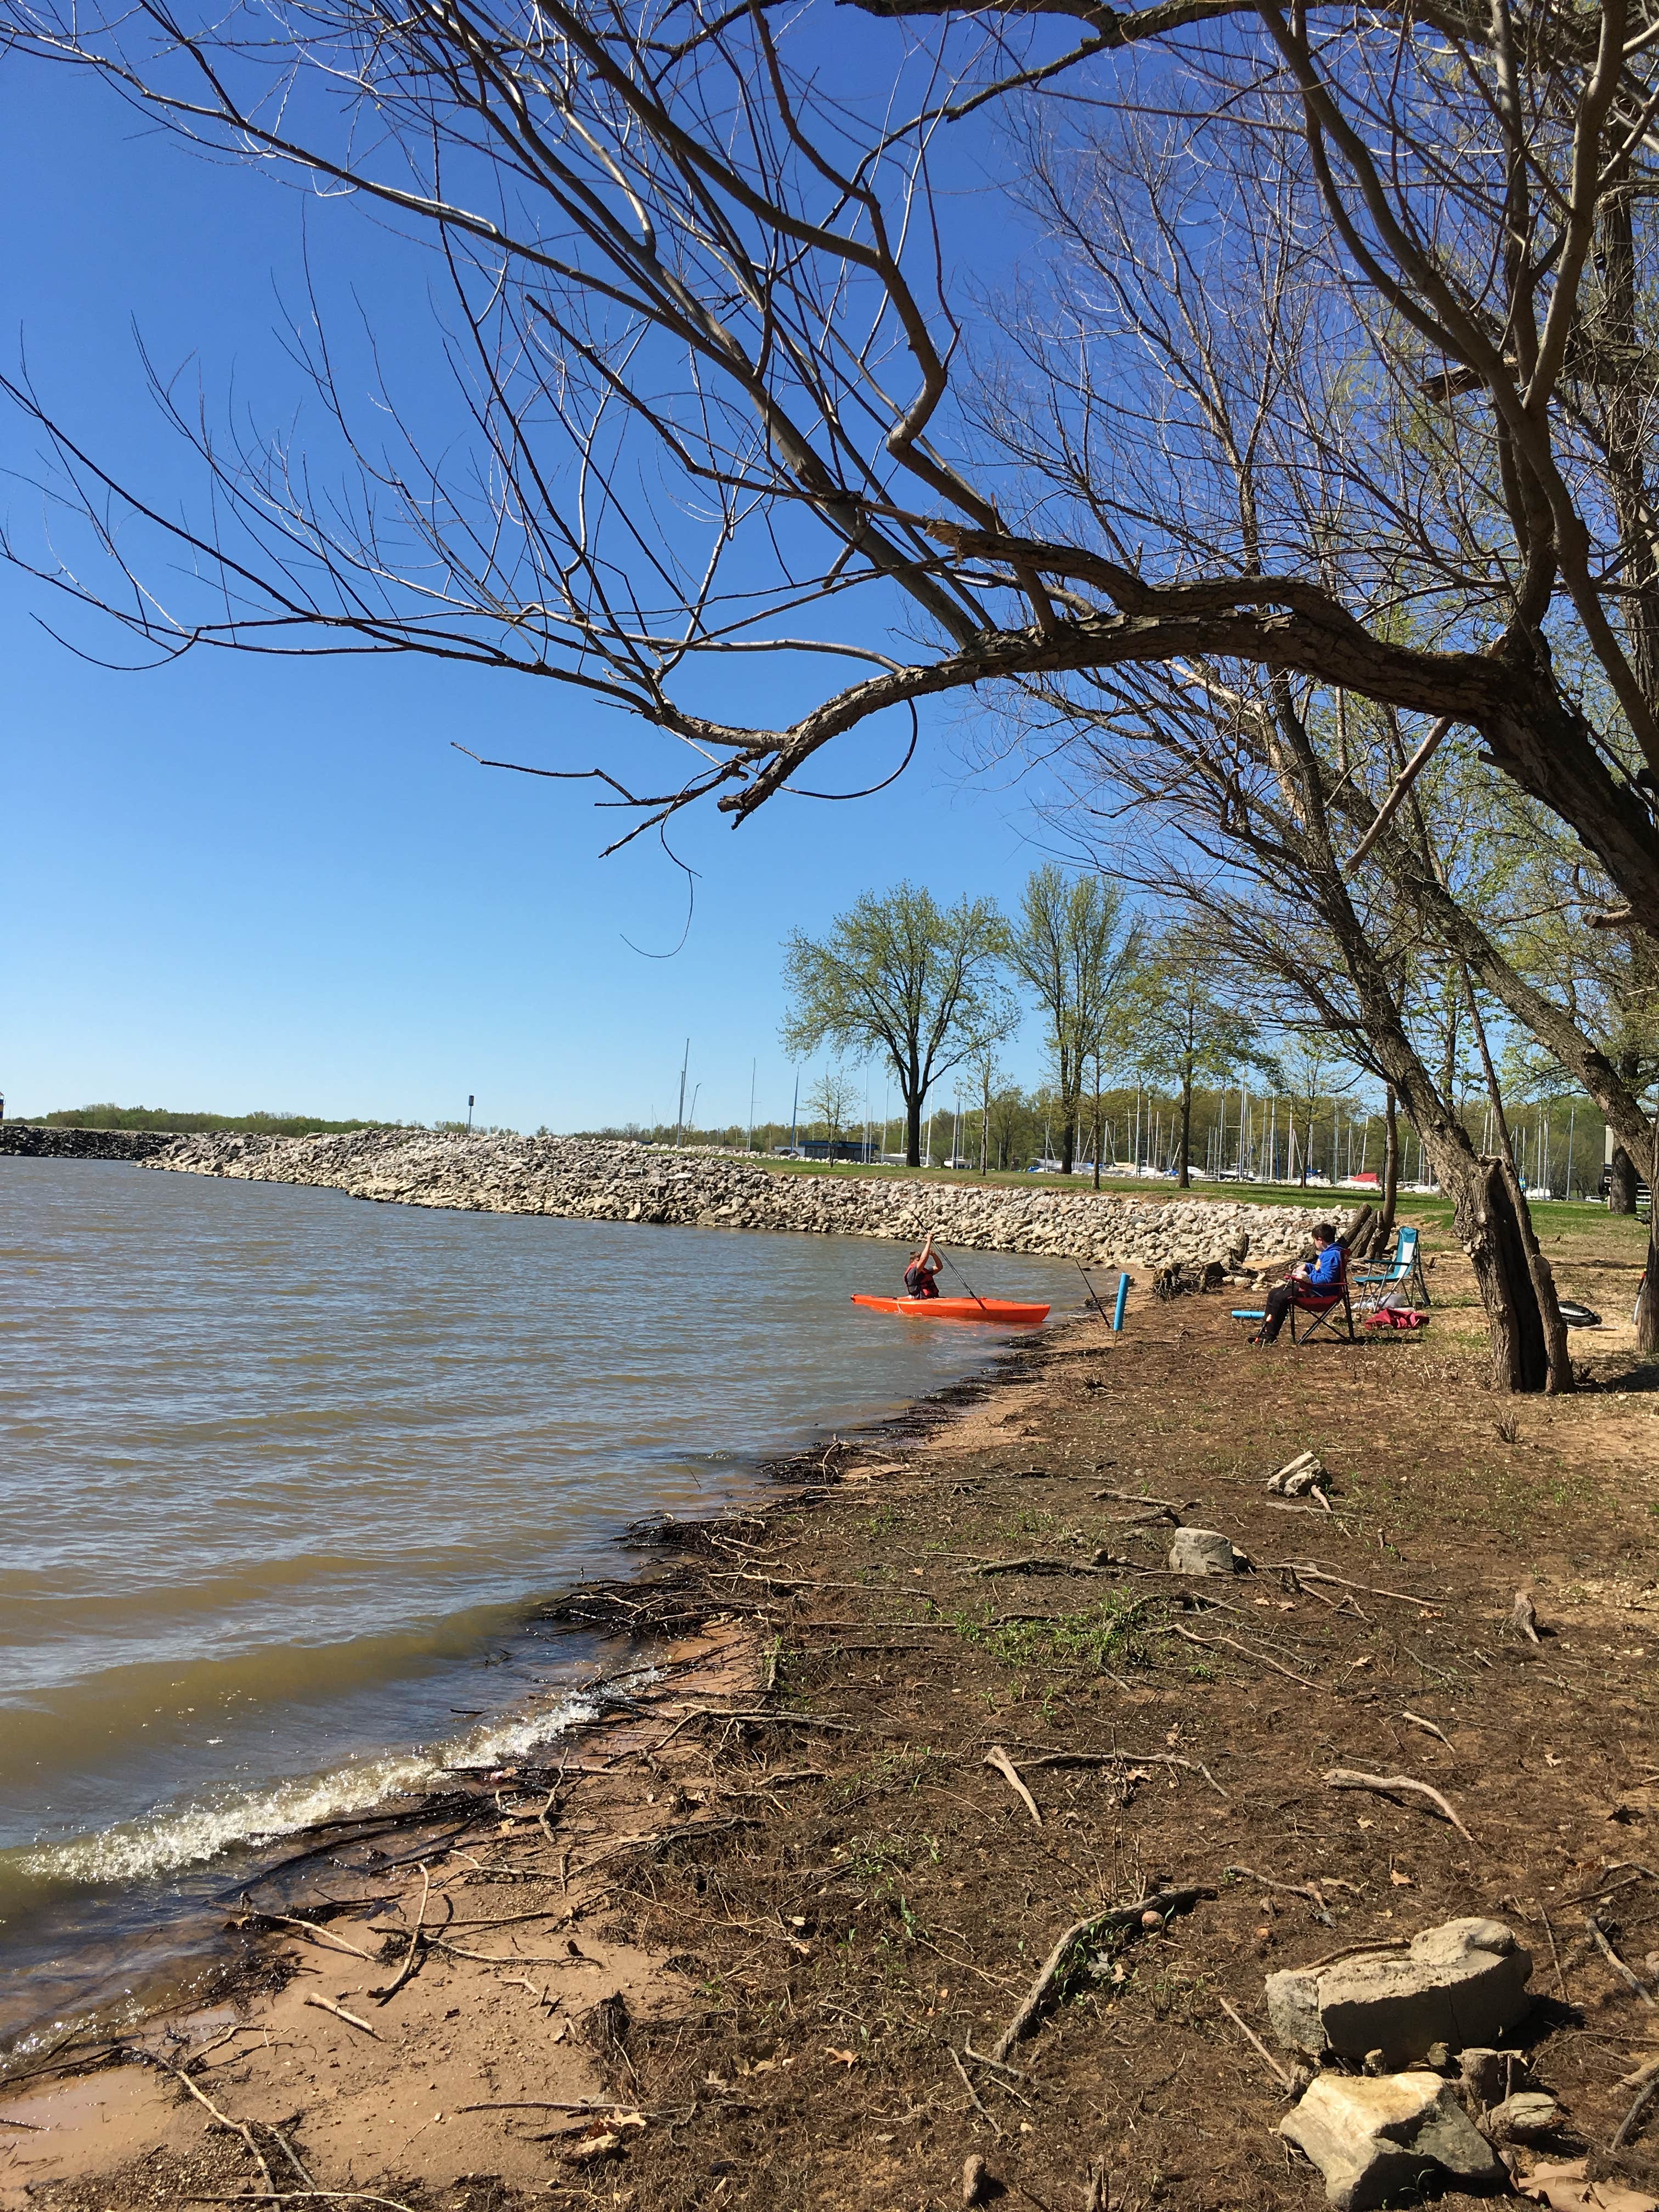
(752, 1945)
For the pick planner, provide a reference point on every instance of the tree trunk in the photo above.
(1489, 1213)
(1647, 1299)
(913, 1129)
(1099, 1124)
(1621, 1189)
(1184, 1177)
(1390, 1165)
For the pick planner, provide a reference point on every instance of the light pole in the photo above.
(679, 1126)
(470, 1102)
(753, 1065)
(794, 1117)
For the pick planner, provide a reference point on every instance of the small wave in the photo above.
(174, 1837)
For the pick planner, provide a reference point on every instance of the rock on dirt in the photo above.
(1464, 1982)
(1370, 2137)
(1306, 1472)
(1206, 1551)
(1523, 2117)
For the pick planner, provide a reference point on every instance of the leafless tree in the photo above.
(707, 237)
(1329, 379)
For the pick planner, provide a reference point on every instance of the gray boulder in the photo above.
(1523, 2117)
(1462, 1983)
(1370, 2137)
(1204, 1551)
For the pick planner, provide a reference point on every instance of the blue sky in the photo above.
(233, 883)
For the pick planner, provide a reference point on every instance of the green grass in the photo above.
(1100, 1637)
(1581, 1229)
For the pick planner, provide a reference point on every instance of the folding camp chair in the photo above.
(1403, 1275)
(1319, 1313)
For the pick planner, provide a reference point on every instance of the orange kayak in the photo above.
(1004, 1311)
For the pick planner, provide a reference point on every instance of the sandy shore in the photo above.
(751, 1946)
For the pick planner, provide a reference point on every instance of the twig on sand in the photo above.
(1255, 2042)
(301, 2196)
(1632, 1870)
(998, 1758)
(385, 1994)
(1626, 2127)
(223, 2120)
(305, 1928)
(1631, 1980)
(549, 2105)
(1136, 1497)
(1213, 1642)
(1428, 1727)
(1034, 1566)
(1055, 1966)
(1303, 1889)
(1345, 1778)
(327, 2004)
(1129, 1758)
(1560, 1978)
(973, 2095)
(1323, 1575)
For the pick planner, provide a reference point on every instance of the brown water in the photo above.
(284, 1475)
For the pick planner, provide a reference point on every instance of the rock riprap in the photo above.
(575, 1179)
(1462, 1983)
(1371, 2137)
(33, 1140)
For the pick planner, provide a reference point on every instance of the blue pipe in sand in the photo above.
(1122, 1300)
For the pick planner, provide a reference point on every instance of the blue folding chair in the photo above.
(1377, 1286)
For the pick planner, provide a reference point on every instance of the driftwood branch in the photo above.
(327, 2004)
(1631, 1980)
(1255, 2042)
(998, 1758)
(1212, 1643)
(385, 1994)
(1129, 1758)
(222, 2120)
(1059, 1963)
(1385, 1785)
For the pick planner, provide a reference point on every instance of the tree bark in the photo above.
(1390, 1165)
(913, 1129)
(1647, 1298)
(1485, 1217)
(1621, 1188)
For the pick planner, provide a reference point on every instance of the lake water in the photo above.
(284, 1475)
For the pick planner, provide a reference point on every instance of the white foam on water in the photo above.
(174, 1836)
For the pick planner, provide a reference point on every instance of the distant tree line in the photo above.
(187, 1124)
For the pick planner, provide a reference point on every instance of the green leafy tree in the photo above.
(1175, 1025)
(901, 978)
(1072, 945)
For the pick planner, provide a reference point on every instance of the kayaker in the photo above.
(920, 1276)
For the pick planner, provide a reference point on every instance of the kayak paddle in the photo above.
(966, 1285)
